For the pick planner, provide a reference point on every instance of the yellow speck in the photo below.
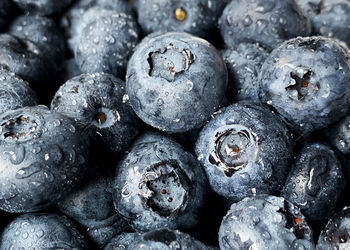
(180, 14)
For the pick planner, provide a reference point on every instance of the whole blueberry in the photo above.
(268, 22)
(307, 81)
(265, 222)
(315, 182)
(42, 231)
(5, 13)
(336, 234)
(42, 158)
(107, 42)
(159, 185)
(42, 7)
(339, 135)
(76, 18)
(245, 150)
(26, 59)
(99, 104)
(156, 239)
(42, 31)
(175, 81)
(14, 92)
(92, 207)
(243, 65)
(198, 17)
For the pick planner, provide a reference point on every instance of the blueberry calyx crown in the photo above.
(233, 149)
(19, 128)
(164, 186)
(169, 62)
(301, 85)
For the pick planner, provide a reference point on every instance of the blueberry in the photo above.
(99, 103)
(14, 92)
(198, 17)
(265, 222)
(157, 239)
(107, 42)
(339, 135)
(170, 73)
(336, 234)
(42, 231)
(245, 150)
(268, 22)
(92, 206)
(159, 185)
(307, 81)
(42, 31)
(5, 13)
(42, 7)
(26, 59)
(76, 18)
(310, 7)
(243, 65)
(42, 158)
(315, 182)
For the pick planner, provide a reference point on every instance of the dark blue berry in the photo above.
(315, 182)
(268, 22)
(5, 13)
(42, 7)
(159, 185)
(245, 150)
(307, 81)
(265, 222)
(99, 104)
(175, 81)
(42, 158)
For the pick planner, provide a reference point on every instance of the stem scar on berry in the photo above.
(101, 117)
(180, 14)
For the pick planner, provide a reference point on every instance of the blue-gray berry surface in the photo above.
(315, 182)
(175, 81)
(159, 185)
(14, 92)
(42, 231)
(99, 104)
(42, 7)
(245, 150)
(42, 158)
(307, 81)
(268, 22)
(265, 222)
(339, 135)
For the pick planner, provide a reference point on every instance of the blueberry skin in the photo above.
(92, 207)
(26, 59)
(265, 222)
(14, 92)
(243, 65)
(168, 73)
(197, 17)
(268, 22)
(309, 7)
(5, 13)
(315, 182)
(339, 135)
(42, 7)
(107, 42)
(159, 185)
(336, 233)
(42, 31)
(75, 19)
(99, 104)
(157, 239)
(245, 150)
(43, 158)
(307, 81)
(42, 231)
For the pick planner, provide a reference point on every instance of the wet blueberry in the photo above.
(42, 231)
(99, 104)
(175, 81)
(42, 158)
(307, 81)
(245, 150)
(159, 185)
(315, 182)
(42, 7)
(265, 222)
(339, 135)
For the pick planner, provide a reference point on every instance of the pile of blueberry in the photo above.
(174, 124)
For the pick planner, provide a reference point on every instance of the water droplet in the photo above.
(16, 154)
(56, 123)
(28, 171)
